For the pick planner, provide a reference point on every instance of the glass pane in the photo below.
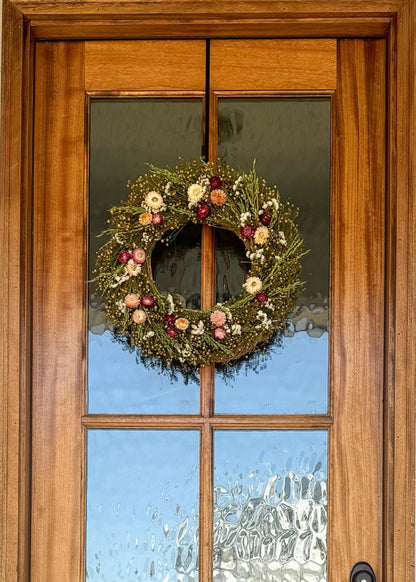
(290, 141)
(142, 505)
(270, 498)
(125, 134)
(231, 264)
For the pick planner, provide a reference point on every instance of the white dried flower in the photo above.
(265, 322)
(118, 239)
(121, 306)
(253, 285)
(245, 216)
(282, 238)
(261, 235)
(154, 201)
(171, 304)
(195, 194)
(236, 329)
(198, 329)
(148, 335)
(132, 269)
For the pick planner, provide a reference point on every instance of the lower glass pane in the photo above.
(142, 505)
(270, 498)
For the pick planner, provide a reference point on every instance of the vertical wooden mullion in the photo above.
(206, 518)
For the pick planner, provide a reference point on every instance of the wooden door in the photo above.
(351, 74)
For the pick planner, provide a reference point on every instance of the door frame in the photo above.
(27, 21)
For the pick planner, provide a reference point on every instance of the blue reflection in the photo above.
(134, 389)
(293, 380)
(142, 505)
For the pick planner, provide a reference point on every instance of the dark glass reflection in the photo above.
(177, 267)
(231, 264)
(290, 141)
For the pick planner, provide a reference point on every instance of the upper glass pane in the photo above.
(290, 140)
(125, 134)
(142, 505)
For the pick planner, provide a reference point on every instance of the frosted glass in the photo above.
(125, 134)
(142, 505)
(270, 498)
(290, 140)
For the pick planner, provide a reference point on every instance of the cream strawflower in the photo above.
(253, 285)
(261, 235)
(153, 200)
(195, 193)
(181, 323)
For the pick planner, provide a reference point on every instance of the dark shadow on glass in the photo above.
(231, 264)
(177, 268)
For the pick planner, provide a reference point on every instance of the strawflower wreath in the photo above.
(161, 202)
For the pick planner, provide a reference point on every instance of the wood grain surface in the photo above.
(157, 65)
(59, 279)
(273, 64)
(216, 9)
(198, 27)
(357, 302)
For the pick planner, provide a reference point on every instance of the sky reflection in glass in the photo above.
(142, 505)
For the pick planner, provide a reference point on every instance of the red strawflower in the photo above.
(203, 211)
(147, 301)
(157, 219)
(261, 297)
(124, 257)
(171, 331)
(248, 231)
(169, 320)
(215, 182)
(266, 218)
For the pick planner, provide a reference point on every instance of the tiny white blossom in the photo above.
(236, 329)
(198, 329)
(171, 304)
(148, 335)
(282, 238)
(118, 239)
(121, 306)
(245, 216)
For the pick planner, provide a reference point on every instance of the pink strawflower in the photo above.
(157, 219)
(218, 318)
(138, 256)
(132, 300)
(219, 333)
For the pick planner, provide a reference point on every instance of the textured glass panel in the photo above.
(125, 134)
(231, 264)
(270, 498)
(290, 141)
(142, 505)
(177, 268)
